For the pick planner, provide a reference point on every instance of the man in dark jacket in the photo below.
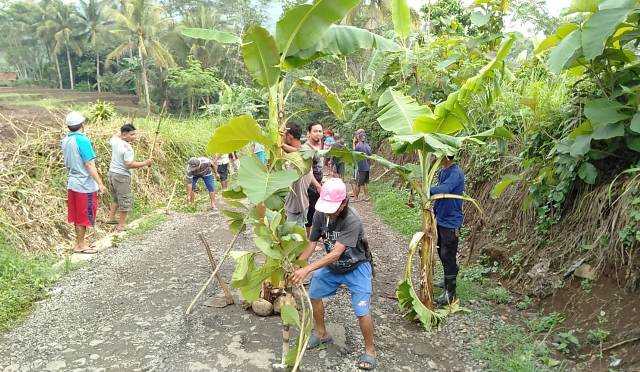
(449, 218)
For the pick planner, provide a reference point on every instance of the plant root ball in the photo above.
(262, 307)
(287, 299)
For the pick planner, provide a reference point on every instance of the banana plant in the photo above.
(304, 34)
(432, 134)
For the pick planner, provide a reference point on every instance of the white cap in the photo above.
(74, 118)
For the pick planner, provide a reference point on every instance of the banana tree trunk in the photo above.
(429, 242)
(145, 83)
(98, 72)
(70, 68)
(58, 71)
(430, 238)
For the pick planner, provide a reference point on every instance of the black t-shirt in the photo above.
(348, 231)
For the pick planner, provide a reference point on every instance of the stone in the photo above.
(94, 356)
(262, 307)
(56, 365)
(94, 343)
(585, 271)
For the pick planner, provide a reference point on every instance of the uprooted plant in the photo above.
(304, 34)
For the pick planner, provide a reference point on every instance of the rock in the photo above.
(94, 356)
(94, 343)
(56, 365)
(262, 307)
(218, 301)
(585, 271)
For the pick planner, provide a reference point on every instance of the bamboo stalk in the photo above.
(223, 285)
(213, 275)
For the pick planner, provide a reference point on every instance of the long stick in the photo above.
(621, 343)
(175, 184)
(213, 275)
(223, 285)
(155, 137)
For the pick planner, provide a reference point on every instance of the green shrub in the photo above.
(546, 323)
(101, 111)
(498, 294)
(24, 279)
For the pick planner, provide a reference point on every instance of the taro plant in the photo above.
(304, 33)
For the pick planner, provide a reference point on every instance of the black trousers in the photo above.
(448, 251)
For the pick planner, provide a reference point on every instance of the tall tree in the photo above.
(94, 22)
(142, 23)
(64, 20)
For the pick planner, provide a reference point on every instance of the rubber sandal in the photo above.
(367, 359)
(86, 251)
(315, 341)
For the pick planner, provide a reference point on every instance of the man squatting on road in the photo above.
(122, 161)
(198, 168)
(449, 219)
(83, 183)
(347, 261)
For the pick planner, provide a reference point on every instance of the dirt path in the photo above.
(125, 311)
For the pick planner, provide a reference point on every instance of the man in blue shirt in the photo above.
(84, 182)
(363, 167)
(449, 218)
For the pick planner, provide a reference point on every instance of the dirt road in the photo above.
(124, 310)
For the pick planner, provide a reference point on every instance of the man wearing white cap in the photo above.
(83, 183)
(347, 262)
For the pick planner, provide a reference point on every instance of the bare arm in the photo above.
(299, 275)
(138, 164)
(308, 251)
(93, 172)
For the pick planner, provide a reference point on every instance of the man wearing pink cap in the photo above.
(347, 261)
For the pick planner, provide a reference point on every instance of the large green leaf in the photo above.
(604, 111)
(343, 40)
(581, 145)
(479, 18)
(259, 183)
(261, 56)
(565, 52)
(332, 99)
(303, 26)
(555, 39)
(600, 26)
(635, 123)
(582, 6)
(501, 186)
(211, 35)
(401, 16)
(588, 173)
(289, 315)
(236, 134)
(398, 112)
(442, 144)
(352, 157)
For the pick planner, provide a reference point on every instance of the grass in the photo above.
(511, 348)
(148, 224)
(390, 204)
(24, 279)
(47, 103)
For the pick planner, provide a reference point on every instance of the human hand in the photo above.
(101, 189)
(319, 188)
(298, 276)
(148, 162)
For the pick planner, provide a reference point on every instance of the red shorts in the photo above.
(82, 208)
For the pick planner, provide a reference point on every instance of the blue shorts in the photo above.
(325, 283)
(209, 182)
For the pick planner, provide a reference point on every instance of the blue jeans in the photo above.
(209, 182)
(325, 283)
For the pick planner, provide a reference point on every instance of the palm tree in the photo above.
(142, 23)
(64, 21)
(93, 19)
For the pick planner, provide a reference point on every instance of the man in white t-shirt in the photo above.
(222, 161)
(122, 161)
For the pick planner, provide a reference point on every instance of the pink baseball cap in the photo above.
(333, 193)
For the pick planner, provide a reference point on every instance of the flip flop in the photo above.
(316, 342)
(112, 222)
(86, 251)
(367, 362)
